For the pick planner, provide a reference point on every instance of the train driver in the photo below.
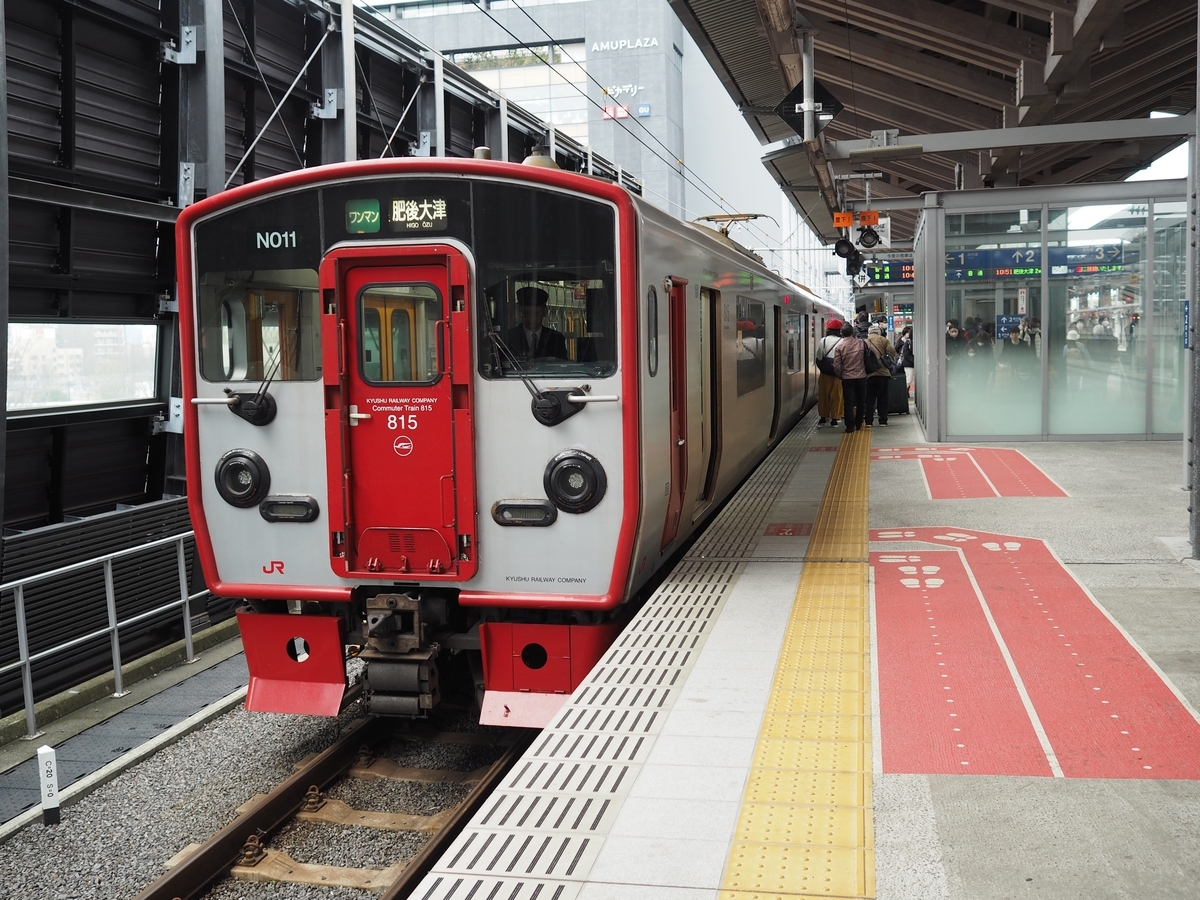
(532, 338)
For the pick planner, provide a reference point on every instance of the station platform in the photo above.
(889, 669)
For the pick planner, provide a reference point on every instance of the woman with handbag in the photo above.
(829, 386)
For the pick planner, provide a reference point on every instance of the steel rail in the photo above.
(193, 876)
(418, 867)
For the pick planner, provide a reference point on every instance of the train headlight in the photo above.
(243, 479)
(575, 481)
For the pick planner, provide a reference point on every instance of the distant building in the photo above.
(608, 73)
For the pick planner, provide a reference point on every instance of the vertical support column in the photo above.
(214, 98)
(1191, 274)
(810, 112)
(439, 104)
(349, 85)
(4, 235)
(26, 669)
(183, 601)
(1044, 362)
(504, 129)
(114, 637)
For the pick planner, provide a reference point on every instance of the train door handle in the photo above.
(679, 443)
(355, 415)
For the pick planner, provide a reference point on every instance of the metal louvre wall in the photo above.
(34, 81)
(464, 127)
(281, 37)
(61, 609)
(118, 118)
(382, 91)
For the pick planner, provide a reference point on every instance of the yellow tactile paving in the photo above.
(805, 827)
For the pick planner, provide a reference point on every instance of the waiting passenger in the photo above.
(850, 364)
(904, 348)
(880, 380)
(829, 386)
(531, 339)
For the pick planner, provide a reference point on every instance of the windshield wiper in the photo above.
(549, 407)
(258, 408)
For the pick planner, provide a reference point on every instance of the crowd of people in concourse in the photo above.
(857, 363)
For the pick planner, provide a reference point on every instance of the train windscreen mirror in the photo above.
(575, 481)
(242, 477)
(534, 656)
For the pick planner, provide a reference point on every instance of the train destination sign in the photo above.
(405, 214)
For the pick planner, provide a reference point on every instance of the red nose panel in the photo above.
(296, 663)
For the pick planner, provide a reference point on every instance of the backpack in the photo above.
(825, 362)
(870, 358)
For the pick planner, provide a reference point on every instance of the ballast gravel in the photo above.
(345, 845)
(117, 840)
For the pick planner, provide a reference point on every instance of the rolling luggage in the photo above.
(897, 396)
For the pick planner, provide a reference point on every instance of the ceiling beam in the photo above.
(1090, 165)
(950, 31)
(1072, 133)
(1036, 9)
(927, 102)
(896, 59)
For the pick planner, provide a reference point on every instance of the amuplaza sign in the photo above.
(624, 44)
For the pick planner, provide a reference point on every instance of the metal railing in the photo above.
(25, 661)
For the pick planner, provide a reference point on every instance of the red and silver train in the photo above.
(456, 413)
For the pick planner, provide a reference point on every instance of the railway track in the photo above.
(242, 848)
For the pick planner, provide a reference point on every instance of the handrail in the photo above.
(26, 660)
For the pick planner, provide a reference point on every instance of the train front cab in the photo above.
(432, 458)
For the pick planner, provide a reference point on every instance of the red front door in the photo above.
(401, 454)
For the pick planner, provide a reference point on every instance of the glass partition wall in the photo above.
(1056, 320)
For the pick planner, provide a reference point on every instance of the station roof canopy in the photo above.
(942, 69)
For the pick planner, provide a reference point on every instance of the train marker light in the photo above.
(575, 481)
(243, 479)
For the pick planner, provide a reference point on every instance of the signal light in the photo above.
(868, 237)
(843, 248)
(854, 263)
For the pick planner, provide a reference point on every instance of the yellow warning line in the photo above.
(805, 826)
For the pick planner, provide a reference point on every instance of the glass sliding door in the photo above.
(1094, 340)
(1169, 382)
(993, 344)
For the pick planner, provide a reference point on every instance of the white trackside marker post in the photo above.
(48, 779)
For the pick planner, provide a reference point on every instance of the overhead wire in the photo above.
(686, 169)
(710, 193)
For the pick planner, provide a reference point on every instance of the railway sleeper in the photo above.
(275, 865)
(337, 812)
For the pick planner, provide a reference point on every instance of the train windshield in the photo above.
(547, 281)
(259, 324)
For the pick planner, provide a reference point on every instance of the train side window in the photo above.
(258, 324)
(399, 333)
(401, 346)
(652, 330)
(751, 345)
(795, 334)
(372, 349)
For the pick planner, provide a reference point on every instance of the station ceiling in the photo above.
(940, 66)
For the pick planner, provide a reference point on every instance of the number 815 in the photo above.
(402, 423)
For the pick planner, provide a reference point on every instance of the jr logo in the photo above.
(276, 566)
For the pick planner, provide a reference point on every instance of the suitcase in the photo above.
(897, 396)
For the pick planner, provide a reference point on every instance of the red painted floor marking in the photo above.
(788, 529)
(947, 703)
(1014, 475)
(1105, 711)
(999, 471)
(955, 477)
